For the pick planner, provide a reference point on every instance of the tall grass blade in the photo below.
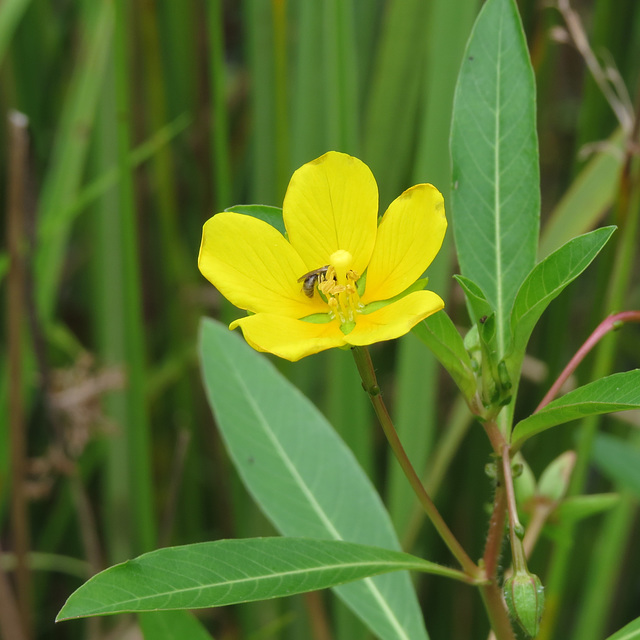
(68, 158)
(11, 11)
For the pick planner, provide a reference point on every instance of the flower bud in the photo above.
(554, 480)
(524, 596)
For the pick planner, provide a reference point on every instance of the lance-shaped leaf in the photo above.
(303, 476)
(580, 507)
(548, 279)
(477, 302)
(630, 631)
(496, 194)
(441, 336)
(213, 574)
(618, 392)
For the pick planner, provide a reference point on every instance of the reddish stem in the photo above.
(608, 324)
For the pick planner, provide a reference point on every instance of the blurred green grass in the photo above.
(145, 118)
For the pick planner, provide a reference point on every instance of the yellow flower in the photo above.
(339, 279)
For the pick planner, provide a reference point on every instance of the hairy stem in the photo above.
(498, 616)
(493, 544)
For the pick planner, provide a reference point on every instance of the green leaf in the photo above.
(476, 299)
(580, 507)
(619, 460)
(297, 468)
(617, 392)
(548, 279)
(496, 195)
(441, 336)
(169, 625)
(628, 632)
(271, 215)
(213, 574)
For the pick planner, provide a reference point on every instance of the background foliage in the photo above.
(146, 117)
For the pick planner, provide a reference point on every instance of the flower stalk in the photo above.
(370, 385)
(490, 592)
(523, 591)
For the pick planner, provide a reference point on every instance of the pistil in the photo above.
(339, 288)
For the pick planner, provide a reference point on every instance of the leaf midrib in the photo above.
(398, 565)
(498, 212)
(314, 503)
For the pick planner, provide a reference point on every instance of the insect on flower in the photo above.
(311, 279)
(370, 287)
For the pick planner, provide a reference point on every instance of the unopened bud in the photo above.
(503, 375)
(554, 481)
(524, 596)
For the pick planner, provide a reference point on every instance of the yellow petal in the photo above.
(395, 319)
(332, 203)
(288, 338)
(409, 237)
(254, 267)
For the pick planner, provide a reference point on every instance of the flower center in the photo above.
(339, 288)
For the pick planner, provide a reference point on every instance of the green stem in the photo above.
(515, 528)
(610, 323)
(498, 616)
(370, 384)
(457, 427)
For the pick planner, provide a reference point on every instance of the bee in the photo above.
(311, 279)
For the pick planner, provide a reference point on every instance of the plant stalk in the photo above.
(610, 323)
(370, 384)
(498, 616)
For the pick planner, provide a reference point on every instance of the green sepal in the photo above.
(318, 318)
(361, 283)
(348, 327)
(266, 213)
(418, 285)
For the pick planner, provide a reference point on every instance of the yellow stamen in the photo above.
(342, 295)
